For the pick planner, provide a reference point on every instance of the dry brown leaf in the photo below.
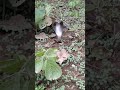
(52, 35)
(41, 36)
(48, 21)
(49, 43)
(62, 56)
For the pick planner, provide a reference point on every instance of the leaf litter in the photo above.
(62, 56)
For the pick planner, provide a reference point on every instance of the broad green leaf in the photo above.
(52, 70)
(49, 58)
(39, 53)
(38, 65)
(46, 61)
(6, 62)
(11, 66)
(39, 14)
(51, 53)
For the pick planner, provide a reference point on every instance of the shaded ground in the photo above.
(73, 68)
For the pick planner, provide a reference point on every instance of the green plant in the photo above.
(12, 65)
(46, 61)
(18, 73)
(41, 87)
(42, 14)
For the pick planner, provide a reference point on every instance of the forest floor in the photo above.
(73, 41)
(72, 68)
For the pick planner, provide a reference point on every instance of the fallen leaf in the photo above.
(41, 36)
(52, 35)
(48, 21)
(49, 43)
(62, 56)
(71, 37)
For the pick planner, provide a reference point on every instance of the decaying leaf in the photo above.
(52, 35)
(48, 21)
(41, 36)
(62, 56)
(49, 43)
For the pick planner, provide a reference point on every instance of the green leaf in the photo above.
(52, 70)
(46, 61)
(39, 15)
(11, 66)
(38, 64)
(40, 53)
(51, 52)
